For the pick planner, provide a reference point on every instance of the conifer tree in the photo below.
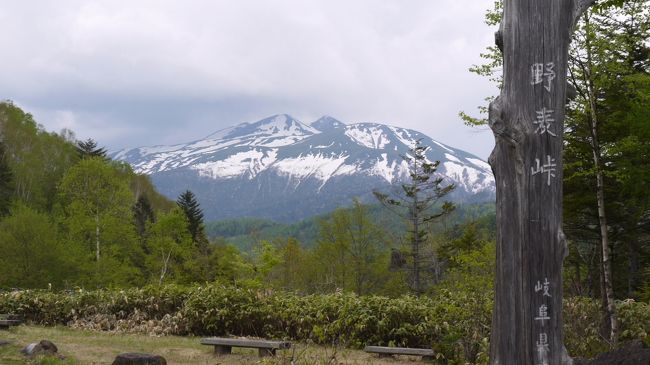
(142, 214)
(88, 148)
(415, 204)
(187, 202)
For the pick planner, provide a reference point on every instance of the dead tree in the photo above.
(527, 120)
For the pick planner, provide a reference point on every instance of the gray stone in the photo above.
(29, 349)
(135, 358)
(44, 347)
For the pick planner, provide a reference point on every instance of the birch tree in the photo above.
(95, 206)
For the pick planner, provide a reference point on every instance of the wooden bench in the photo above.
(427, 354)
(223, 346)
(6, 323)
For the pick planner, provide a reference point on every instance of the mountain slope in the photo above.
(244, 233)
(282, 169)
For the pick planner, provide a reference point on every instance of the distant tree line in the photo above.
(72, 217)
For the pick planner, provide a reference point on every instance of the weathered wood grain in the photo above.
(6, 323)
(399, 351)
(242, 342)
(223, 346)
(527, 120)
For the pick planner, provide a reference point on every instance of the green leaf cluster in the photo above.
(71, 217)
(455, 323)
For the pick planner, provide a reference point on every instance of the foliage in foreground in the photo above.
(443, 322)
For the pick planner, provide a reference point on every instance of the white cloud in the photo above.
(402, 63)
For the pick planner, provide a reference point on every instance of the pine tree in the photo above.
(417, 200)
(88, 148)
(142, 214)
(187, 202)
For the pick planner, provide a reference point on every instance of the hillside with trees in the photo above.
(72, 218)
(559, 266)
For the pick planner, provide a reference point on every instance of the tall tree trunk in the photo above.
(633, 266)
(416, 236)
(163, 269)
(594, 269)
(578, 279)
(416, 260)
(527, 120)
(600, 197)
(97, 237)
(604, 241)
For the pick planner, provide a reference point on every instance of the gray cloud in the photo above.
(157, 72)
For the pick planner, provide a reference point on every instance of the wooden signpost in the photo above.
(528, 120)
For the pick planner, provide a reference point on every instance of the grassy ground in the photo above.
(94, 348)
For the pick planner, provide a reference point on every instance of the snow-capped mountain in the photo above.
(282, 169)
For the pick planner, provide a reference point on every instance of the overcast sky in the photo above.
(139, 73)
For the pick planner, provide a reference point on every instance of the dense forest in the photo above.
(607, 154)
(245, 232)
(72, 218)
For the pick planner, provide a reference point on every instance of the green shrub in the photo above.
(635, 320)
(50, 308)
(455, 323)
(583, 320)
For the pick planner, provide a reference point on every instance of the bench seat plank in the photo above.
(399, 351)
(223, 346)
(238, 342)
(6, 323)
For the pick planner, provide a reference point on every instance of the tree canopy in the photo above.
(415, 204)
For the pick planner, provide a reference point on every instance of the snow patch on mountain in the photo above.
(278, 126)
(391, 172)
(452, 158)
(310, 165)
(467, 177)
(323, 146)
(348, 159)
(443, 146)
(484, 165)
(370, 137)
(403, 135)
(249, 162)
(158, 163)
(210, 146)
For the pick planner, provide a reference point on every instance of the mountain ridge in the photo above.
(283, 168)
